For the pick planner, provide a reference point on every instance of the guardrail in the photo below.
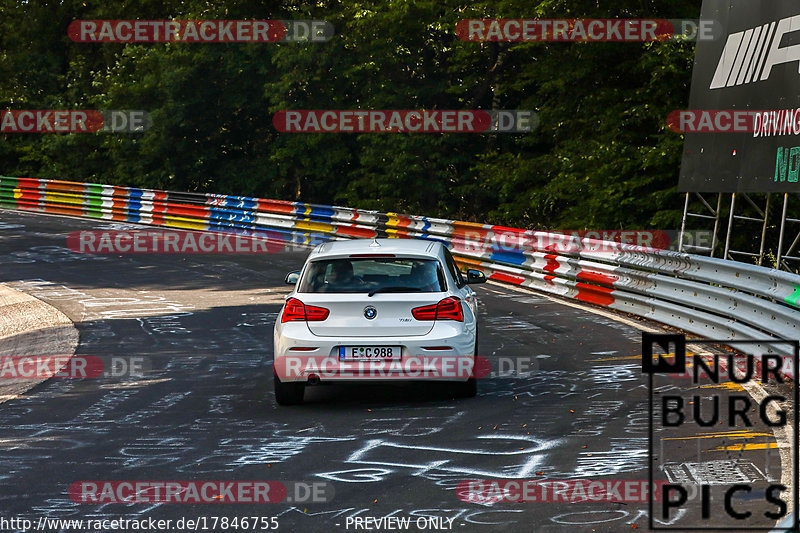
(705, 296)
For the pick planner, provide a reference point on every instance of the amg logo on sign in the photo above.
(748, 54)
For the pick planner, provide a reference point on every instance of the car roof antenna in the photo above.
(375, 243)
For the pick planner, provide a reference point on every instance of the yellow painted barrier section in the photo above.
(184, 223)
(64, 198)
(318, 227)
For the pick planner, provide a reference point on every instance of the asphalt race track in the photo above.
(204, 408)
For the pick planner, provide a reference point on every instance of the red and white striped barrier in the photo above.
(710, 297)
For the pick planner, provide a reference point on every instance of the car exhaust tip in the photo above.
(313, 379)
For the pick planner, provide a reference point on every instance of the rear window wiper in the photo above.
(373, 292)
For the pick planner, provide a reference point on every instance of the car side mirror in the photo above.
(292, 277)
(475, 276)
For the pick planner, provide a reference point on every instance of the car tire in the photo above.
(289, 393)
(468, 389)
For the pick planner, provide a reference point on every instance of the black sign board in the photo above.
(754, 66)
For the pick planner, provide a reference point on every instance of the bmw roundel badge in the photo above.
(370, 312)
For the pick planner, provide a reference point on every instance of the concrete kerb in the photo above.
(30, 327)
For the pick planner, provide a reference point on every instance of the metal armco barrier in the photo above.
(705, 296)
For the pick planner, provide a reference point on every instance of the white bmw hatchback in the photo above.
(383, 309)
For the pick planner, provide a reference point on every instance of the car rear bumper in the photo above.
(301, 356)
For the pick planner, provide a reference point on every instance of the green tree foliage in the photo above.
(601, 158)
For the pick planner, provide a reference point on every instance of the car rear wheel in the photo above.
(468, 389)
(289, 393)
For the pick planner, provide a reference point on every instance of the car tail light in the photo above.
(450, 309)
(316, 314)
(427, 312)
(297, 311)
(447, 309)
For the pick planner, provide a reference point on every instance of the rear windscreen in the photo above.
(394, 274)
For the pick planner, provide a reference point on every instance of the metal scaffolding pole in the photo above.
(683, 223)
(725, 254)
(697, 248)
(783, 229)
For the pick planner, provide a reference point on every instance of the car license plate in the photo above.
(370, 353)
